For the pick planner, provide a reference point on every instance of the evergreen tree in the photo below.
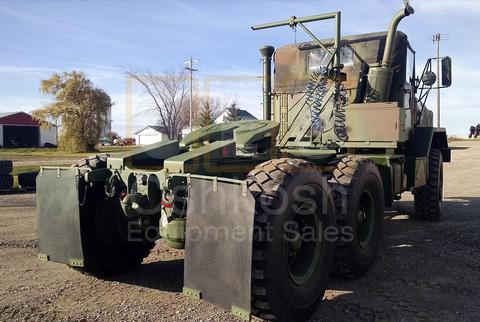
(207, 113)
(233, 112)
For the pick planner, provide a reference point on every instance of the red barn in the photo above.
(19, 129)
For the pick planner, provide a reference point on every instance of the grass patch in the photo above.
(54, 152)
(30, 168)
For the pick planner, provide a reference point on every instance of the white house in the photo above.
(242, 114)
(150, 134)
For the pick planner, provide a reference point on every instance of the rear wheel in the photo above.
(429, 198)
(110, 246)
(357, 188)
(292, 256)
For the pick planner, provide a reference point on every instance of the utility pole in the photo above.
(436, 39)
(191, 69)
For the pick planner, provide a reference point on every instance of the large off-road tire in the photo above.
(6, 181)
(93, 162)
(289, 274)
(429, 198)
(27, 180)
(6, 166)
(108, 245)
(358, 192)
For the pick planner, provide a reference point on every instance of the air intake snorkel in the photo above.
(267, 52)
(380, 76)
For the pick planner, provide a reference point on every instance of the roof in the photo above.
(242, 114)
(245, 115)
(18, 118)
(158, 128)
(4, 114)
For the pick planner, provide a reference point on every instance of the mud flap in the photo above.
(218, 246)
(58, 216)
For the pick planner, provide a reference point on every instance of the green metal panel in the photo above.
(218, 246)
(420, 144)
(197, 160)
(149, 156)
(174, 233)
(58, 215)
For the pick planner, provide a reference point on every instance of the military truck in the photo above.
(267, 210)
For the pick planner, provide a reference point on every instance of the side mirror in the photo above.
(429, 78)
(446, 71)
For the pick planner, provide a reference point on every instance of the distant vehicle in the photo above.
(124, 142)
(105, 140)
(129, 141)
(474, 131)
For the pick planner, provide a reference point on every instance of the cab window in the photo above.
(409, 75)
(319, 58)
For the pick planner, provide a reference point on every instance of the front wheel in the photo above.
(292, 251)
(429, 198)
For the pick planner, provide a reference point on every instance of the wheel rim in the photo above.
(303, 245)
(365, 219)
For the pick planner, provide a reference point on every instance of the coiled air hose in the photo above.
(315, 93)
(341, 102)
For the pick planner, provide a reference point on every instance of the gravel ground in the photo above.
(425, 271)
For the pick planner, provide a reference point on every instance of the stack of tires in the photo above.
(6, 178)
(28, 180)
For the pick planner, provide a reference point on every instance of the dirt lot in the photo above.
(425, 271)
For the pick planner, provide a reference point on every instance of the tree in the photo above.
(81, 108)
(233, 112)
(169, 96)
(209, 111)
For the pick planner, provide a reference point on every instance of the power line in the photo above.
(99, 32)
(436, 39)
(190, 68)
(21, 51)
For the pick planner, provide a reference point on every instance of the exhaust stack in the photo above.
(380, 76)
(267, 52)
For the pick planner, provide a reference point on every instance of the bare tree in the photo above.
(169, 95)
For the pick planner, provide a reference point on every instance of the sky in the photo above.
(102, 38)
